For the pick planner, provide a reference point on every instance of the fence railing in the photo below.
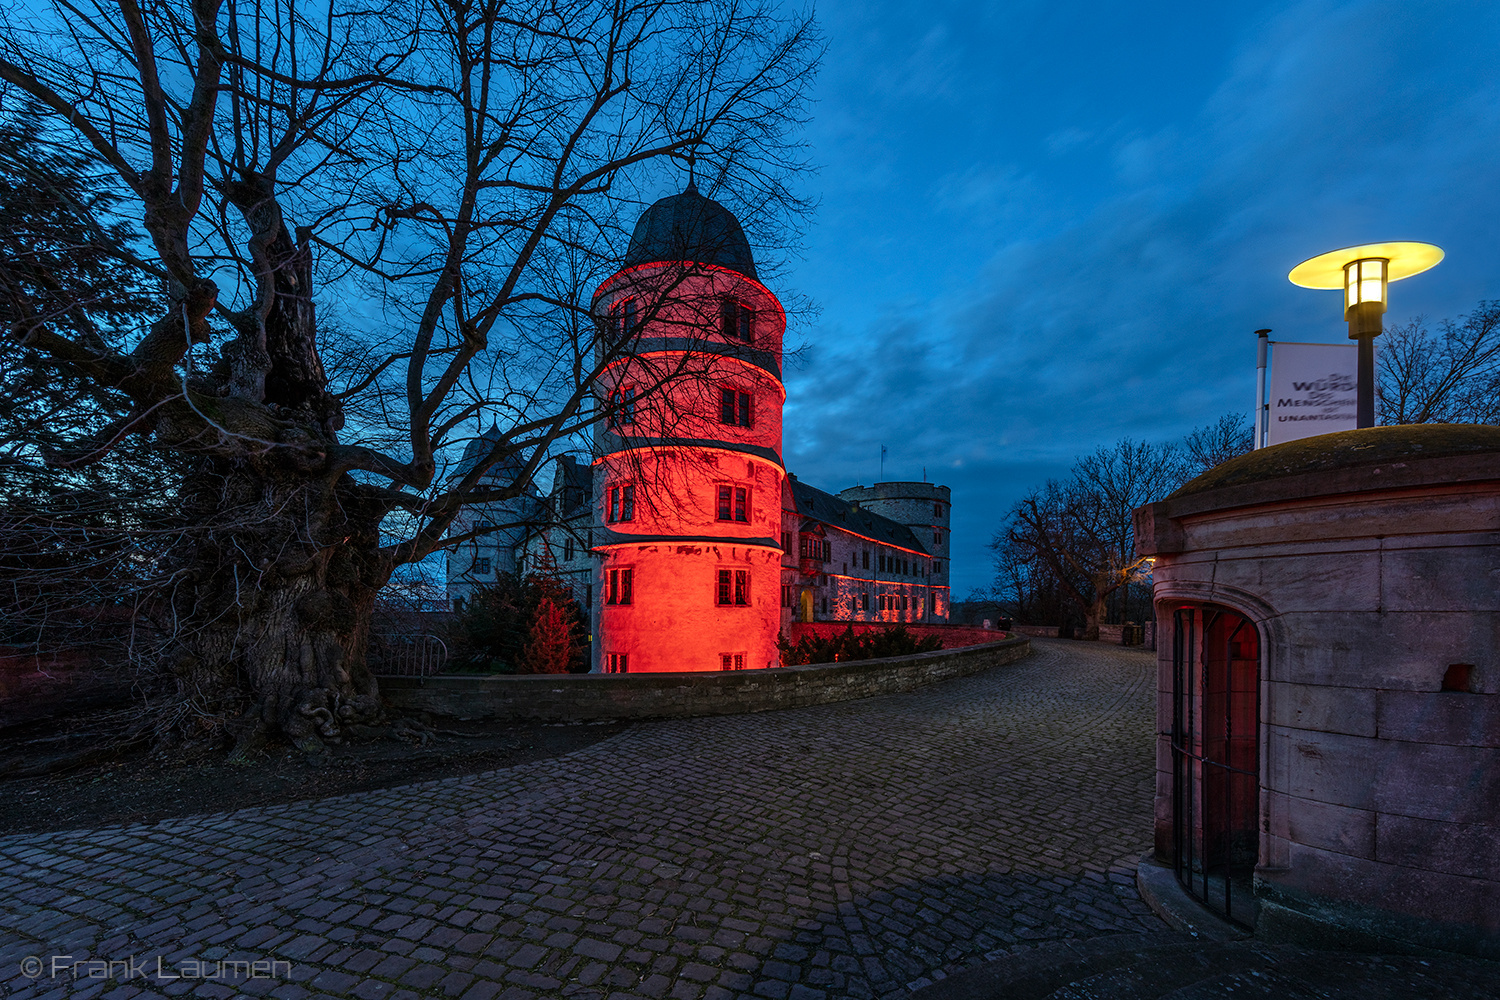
(408, 655)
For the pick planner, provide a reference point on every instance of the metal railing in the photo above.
(1214, 840)
(408, 655)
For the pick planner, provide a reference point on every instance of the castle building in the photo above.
(698, 549)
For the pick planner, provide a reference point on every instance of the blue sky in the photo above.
(1048, 225)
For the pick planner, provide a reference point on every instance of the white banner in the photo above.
(1314, 390)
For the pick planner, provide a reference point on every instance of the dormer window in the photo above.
(736, 320)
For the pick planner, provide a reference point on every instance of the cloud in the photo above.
(1122, 298)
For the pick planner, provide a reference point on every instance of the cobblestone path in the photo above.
(846, 850)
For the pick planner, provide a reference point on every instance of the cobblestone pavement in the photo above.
(848, 850)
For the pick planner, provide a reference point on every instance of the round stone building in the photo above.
(1328, 759)
(688, 484)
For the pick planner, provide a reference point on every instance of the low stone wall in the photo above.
(36, 686)
(953, 636)
(1107, 633)
(580, 697)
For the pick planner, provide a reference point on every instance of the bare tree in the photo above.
(1231, 435)
(1077, 535)
(449, 179)
(1451, 376)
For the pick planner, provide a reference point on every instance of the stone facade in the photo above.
(696, 549)
(1368, 563)
(848, 560)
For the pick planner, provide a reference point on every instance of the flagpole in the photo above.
(1260, 388)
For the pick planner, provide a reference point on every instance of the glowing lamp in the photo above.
(1364, 272)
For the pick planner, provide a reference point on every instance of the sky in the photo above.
(1045, 226)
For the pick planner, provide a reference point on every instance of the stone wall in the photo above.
(580, 697)
(1107, 633)
(1369, 571)
(953, 636)
(57, 683)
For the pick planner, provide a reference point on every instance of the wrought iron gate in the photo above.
(1216, 758)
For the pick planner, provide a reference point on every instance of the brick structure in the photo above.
(1329, 689)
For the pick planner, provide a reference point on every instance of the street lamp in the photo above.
(1363, 272)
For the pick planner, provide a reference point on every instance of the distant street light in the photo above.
(1363, 272)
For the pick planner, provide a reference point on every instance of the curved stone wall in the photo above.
(1369, 562)
(587, 697)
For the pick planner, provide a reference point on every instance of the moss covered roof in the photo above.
(1347, 449)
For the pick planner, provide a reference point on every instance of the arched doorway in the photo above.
(1216, 757)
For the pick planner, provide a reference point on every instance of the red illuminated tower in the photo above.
(689, 479)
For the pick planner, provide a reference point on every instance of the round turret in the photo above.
(689, 480)
(925, 508)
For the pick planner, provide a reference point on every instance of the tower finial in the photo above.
(692, 185)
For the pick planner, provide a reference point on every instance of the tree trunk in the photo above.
(271, 624)
(1091, 615)
(271, 606)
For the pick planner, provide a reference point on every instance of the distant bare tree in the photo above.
(1451, 376)
(1078, 534)
(1231, 435)
(454, 177)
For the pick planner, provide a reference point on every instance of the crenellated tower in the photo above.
(688, 482)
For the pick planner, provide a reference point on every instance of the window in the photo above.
(617, 663)
(568, 549)
(786, 542)
(932, 604)
(734, 408)
(864, 602)
(622, 322)
(481, 527)
(588, 595)
(622, 406)
(816, 548)
(825, 605)
(482, 564)
(867, 558)
(734, 587)
(937, 566)
(736, 320)
(731, 661)
(903, 602)
(734, 503)
(937, 510)
(788, 596)
(620, 587)
(621, 503)
(937, 536)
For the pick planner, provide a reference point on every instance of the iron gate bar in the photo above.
(1188, 762)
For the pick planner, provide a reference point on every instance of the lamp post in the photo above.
(1364, 272)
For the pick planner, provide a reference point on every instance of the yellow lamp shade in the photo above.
(1403, 259)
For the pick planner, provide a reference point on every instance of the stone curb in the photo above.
(1157, 883)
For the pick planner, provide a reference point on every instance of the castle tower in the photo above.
(926, 509)
(687, 486)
